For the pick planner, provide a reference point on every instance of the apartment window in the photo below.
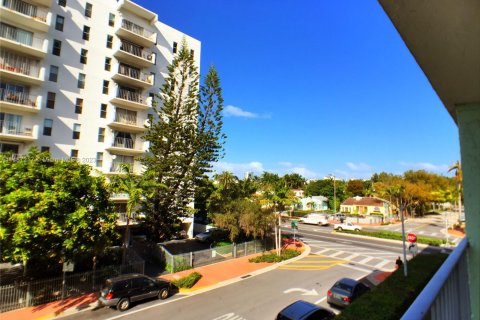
(88, 10)
(45, 149)
(109, 41)
(83, 56)
(111, 20)
(192, 52)
(106, 83)
(99, 159)
(76, 131)
(150, 118)
(86, 33)
(79, 106)
(108, 63)
(103, 110)
(57, 47)
(47, 127)
(152, 77)
(101, 134)
(53, 74)
(51, 100)
(62, 3)
(175, 45)
(59, 22)
(81, 81)
(74, 154)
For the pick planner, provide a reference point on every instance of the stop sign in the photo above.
(411, 237)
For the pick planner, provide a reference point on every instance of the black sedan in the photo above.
(345, 291)
(303, 310)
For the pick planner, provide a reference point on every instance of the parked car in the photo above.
(345, 291)
(121, 291)
(303, 310)
(213, 234)
(347, 226)
(339, 216)
(315, 218)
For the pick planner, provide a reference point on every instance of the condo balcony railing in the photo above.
(136, 51)
(131, 96)
(135, 28)
(118, 167)
(18, 98)
(446, 296)
(20, 36)
(126, 119)
(124, 143)
(27, 9)
(13, 128)
(122, 217)
(134, 73)
(19, 64)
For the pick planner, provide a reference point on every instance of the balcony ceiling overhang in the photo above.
(140, 11)
(444, 38)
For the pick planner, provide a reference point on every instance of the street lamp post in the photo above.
(332, 176)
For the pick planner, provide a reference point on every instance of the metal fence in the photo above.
(183, 261)
(25, 294)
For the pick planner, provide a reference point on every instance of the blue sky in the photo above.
(318, 88)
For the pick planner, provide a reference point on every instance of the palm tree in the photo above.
(458, 179)
(134, 186)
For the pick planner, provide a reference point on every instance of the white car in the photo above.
(315, 218)
(347, 226)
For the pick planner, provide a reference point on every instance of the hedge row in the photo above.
(392, 298)
(397, 236)
(187, 281)
(272, 257)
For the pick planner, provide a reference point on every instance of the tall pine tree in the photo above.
(185, 138)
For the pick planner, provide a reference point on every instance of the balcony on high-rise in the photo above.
(12, 129)
(134, 54)
(132, 76)
(19, 68)
(18, 101)
(22, 40)
(137, 34)
(25, 14)
(130, 98)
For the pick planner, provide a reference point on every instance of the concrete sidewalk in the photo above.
(213, 276)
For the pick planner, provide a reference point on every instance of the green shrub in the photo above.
(397, 236)
(272, 256)
(179, 265)
(391, 299)
(187, 281)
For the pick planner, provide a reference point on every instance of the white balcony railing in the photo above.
(131, 96)
(126, 119)
(11, 127)
(134, 73)
(124, 143)
(134, 217)
(119, 167)
(136, 51)
(18, 98)
(27, 9)
(135, 28)
(10, 61)
(446, 295)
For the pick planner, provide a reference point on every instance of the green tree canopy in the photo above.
(51, 209)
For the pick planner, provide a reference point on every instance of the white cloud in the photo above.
(358, 166)
(304, 172)
(425, 166)
(286, 164)
(232, 111)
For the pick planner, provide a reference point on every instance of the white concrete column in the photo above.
(468, 118)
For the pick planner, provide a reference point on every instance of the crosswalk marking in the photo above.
(364, 261)
(381, 264)
(312, 262)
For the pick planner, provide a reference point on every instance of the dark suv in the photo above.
(124, 289)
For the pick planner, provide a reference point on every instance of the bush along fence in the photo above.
(26, 294)
(185, 261)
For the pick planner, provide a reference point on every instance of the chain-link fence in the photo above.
(184, 261)
(24, 294)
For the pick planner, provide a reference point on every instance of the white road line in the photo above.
(364, 261)
(382, 264)
(434, 234)
(350, 257)
(321, 251)
(323, 299)
(337, 253)
(421, 232)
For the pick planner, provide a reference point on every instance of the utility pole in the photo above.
(403, 241)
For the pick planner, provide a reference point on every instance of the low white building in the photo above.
(317, 203)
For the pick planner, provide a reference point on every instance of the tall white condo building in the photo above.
(77, 77)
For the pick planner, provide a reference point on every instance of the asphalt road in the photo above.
(332, 257)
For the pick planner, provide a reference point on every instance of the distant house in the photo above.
(366, 206)
(298, 193)
(312, 203)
